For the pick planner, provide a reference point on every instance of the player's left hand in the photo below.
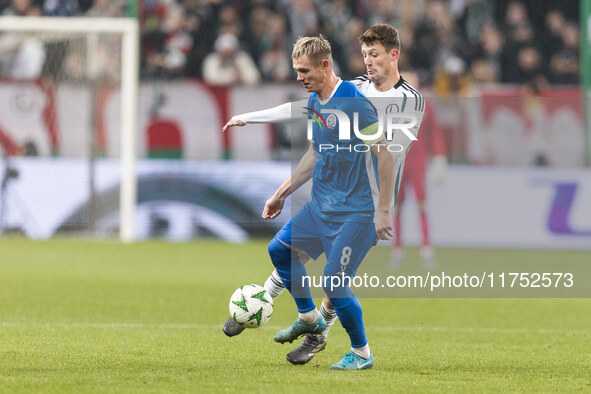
(384, 226)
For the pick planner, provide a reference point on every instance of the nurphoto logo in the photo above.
(392, 121)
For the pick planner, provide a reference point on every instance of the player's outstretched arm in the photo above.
(301, 175)
(278, 114)
(385, 160)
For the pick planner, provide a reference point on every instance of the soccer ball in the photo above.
(251, 306)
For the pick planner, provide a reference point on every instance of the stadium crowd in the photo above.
(492, 41)
(248, 41)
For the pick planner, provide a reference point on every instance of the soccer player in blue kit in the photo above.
(353, 182)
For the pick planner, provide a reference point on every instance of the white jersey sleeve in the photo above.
(280, 113)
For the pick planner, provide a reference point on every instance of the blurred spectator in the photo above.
(425, 38)
(488, 55)
(478, 13)
(275, 62)
(552, 35)
(335, 16)
(230, 21)
(438, 36)
(483, 72)
(21, 56)
(108, 65)
(450, 43)
(303, 18)
(257, 34)
(105, 9)
(354, 29)
(228, 65)
(179, 41)
(73, 68)
(61, 8)
(194, 26)
(564, 65)
(151, 15)
(274, 66)
(352, 52)
(515, 15)
(411, 11)
(452, 80)
(175, 42)
(17, 8)
(29, 59)
(414, 56)
(382, 11)
(521, 36)
(205, 9)
(34, 10)
(530, 65)
(458, 8)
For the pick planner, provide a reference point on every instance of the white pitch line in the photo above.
(485, 330)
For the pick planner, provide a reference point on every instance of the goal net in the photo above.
(68, 125)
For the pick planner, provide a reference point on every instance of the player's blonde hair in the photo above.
(316, 48)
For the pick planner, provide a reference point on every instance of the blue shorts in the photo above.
(345, 243)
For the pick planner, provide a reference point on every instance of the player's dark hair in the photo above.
(383, 34)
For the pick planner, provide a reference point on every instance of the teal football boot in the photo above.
(353, 362)
(299, 328)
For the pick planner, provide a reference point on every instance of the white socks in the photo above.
(310, 316)
(330, 316)
(363, 351)
(273, 285)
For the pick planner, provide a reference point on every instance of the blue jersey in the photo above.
(345, 181)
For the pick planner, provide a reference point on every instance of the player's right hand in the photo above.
(273, 208)
(232, 123)
(383, 225)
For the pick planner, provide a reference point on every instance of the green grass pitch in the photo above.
(82, 316)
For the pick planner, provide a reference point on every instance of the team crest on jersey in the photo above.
(393, 109)
(331, 121)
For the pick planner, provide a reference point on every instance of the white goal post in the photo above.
(128, 28)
